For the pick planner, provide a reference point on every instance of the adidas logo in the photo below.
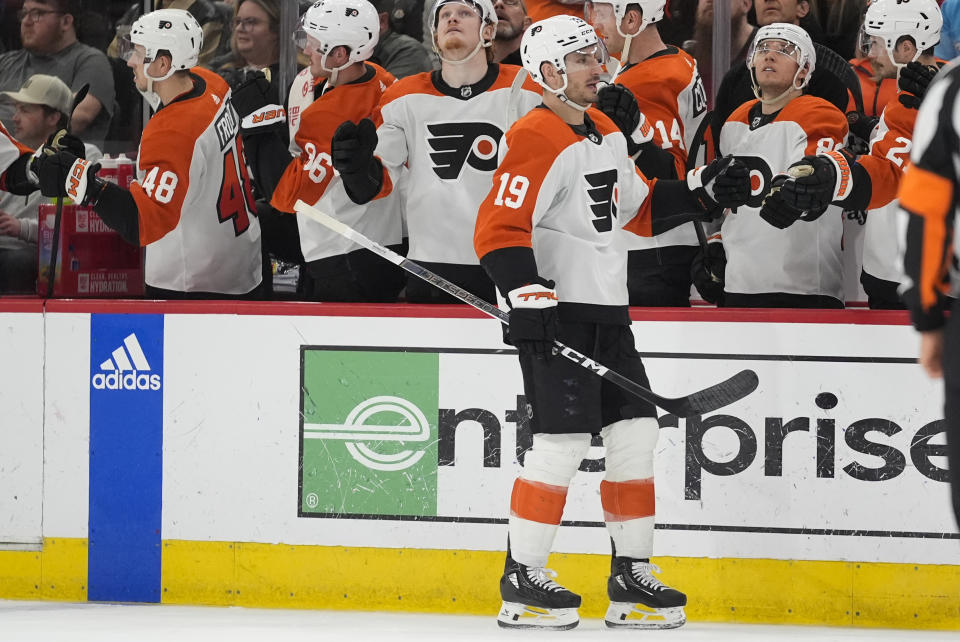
(126, 369)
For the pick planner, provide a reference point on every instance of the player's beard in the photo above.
(455, 47)
(507, 31)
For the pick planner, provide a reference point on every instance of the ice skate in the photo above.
(641, 601)
(532, 600)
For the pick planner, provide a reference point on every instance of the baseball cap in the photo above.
(41, 89)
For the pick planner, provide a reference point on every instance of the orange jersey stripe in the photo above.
(537, 501)
(929, 196)
(632, 499)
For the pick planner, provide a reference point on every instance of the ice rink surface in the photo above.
(59, 622)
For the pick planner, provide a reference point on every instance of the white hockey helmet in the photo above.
(890, 20)
(354, 24)
(802, 52)
(488, 16)
(173, 30)
(652, 11)
(551, 40)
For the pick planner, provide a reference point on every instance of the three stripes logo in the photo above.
(126, 369)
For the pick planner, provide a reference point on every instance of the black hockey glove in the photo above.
(351, 151)
(619, 103)
(775, 209)
(912, 82)
(62, 141)
(707, 271)
(533, 318)
(724, 183)
(251, 94)
(861, 129)
(813, 186)
(64, 175)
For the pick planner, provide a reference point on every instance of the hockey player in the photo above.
(547, 235)
(768, 266)
(444, 129)
(670, 93)
(191, 204)
(928, 195)
(898, 37)
(338, 36)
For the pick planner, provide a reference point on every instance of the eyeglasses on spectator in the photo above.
(34, 15)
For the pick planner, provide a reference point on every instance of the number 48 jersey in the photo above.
(196, 211)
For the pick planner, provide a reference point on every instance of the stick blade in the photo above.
(715, 397)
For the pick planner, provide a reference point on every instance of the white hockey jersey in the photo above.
(310, 175)
(566, 195)
(673, 102)
(805, 258)
(448, 139)
(10, 150)
(890, 146)
(196, 211)
(299, 98)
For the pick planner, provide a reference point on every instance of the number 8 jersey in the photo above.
(196, 212)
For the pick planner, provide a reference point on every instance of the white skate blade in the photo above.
(520, 616)
(641, 616)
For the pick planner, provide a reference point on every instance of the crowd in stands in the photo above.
(49, 49)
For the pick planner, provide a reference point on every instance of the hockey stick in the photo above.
(832, 62)
(55, 250)
(699, 403)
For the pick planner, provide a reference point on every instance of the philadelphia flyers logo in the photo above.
(165, 24)
(351, 12)
(457, 144)
(604, 198)
(760, 177)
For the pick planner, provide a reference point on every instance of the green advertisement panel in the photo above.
(368, 432)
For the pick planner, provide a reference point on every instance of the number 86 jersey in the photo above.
(196, 211)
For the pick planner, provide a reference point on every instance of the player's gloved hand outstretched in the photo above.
(707, 271)
(533, 318)
(813, 186)
(63, 174)
(816, 181)
(913, 80)
(724, 183)
(776, 210)
(251, 94)
(351, 151)
(619, 103)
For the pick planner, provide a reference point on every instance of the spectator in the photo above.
(396, 52)
(949, 47)
(767, 264)
(840, 20)
(42, 105)
(50, 46)
(214, 17)
(512, 22)
(736, 87)
(701, 47)
(255, 43)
